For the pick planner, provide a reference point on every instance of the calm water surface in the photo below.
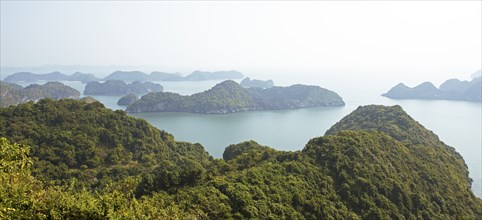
(457, 123)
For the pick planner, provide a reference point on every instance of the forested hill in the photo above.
(73, 139)
(230, 97)
(90, 162)
(13, 94)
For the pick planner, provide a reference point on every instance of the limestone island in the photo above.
(127, 99)
(118, 87)
(250, 83)
(53, 76)
(13, 94)
(452, 89)
(161, 76)
(229, 97)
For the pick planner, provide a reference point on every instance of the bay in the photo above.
(457, 123)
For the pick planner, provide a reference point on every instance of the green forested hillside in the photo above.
(13, 94)
(229, 97)
(356, 171)
(72, 139)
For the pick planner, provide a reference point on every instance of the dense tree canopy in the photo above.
(89, 162)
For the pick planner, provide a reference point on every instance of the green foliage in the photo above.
(229, 97)
(93, 163)
(73, 139)
(380, 178)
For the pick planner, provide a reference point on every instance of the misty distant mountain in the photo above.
(452, 89)
(98, 70)
(53, 76)
(127, 76)
(477, 74)
(161, 76)
(118, 87)
(201, 75)
(255, 83)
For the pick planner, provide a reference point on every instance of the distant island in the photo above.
(127, 99)
(230, 97)
(161, 76)
(129, 76)
(118, 87)
(249, 83)
(53, 76)
(452, 89)
(13, 94)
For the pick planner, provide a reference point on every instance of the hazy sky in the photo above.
(403, 37)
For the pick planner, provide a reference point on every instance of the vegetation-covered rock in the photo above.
(452, 89)
(13, 94)
(72, 139)
(229, 97)
(367, 166)
(127, 99)
(117, 87)
(248, 83)
(88, 99)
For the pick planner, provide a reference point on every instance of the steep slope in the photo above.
(393, 121)
(440, 165)
(378, 177)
